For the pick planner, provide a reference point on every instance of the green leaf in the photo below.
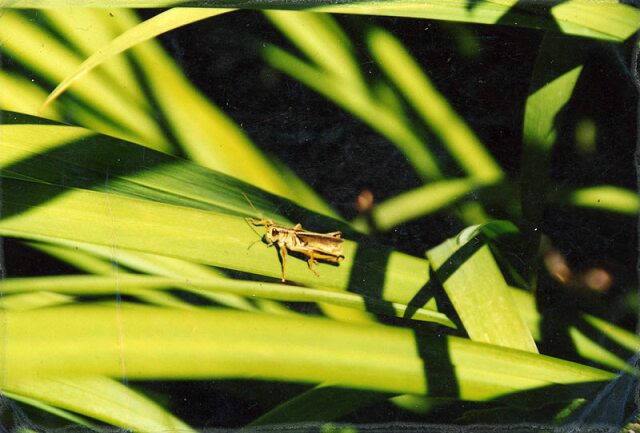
(150, 198)
(52, 395)
(321, 403)
(110, 47)
(203, 131)
(195, 235)
(34, 151)
(611, 20)
(420, 202)
(30, 301)
(361, 104)
(20, 94)
(557, 69)
(608, 198)
(322, 40)
(434, 109)
(473, 282)
(51, 59)
(106, 261)
(52, 410)
(101, 398)
(587, 334)
(99, 27)
(131, 340)
(137, 284)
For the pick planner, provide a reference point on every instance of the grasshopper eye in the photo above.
(274, 232)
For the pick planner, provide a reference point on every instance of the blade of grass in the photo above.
(603, 20)
(186, 233)
(199, 344)
(33, 300)
(134, 284)
(377, 116)
(609, 21)
(94, 33)
(435, 110)
(38, 50)
(322, 40)
(35, 151)
(161, 23)
(20, 94)
(420, 201)
(79, 259)
(473, 282)
(586, 346)
(97, 397)
(107, 261)
(52, 410)
(608, 198)
(205, 133)
(321, 403)
(557, 69)
(614, 19)
(31, 392)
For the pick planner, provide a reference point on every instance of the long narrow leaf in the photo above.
(604, 20)
(38, 50)
(101, 398)
(322, 40)
(206, 344)
(52, 410)
(21, 95)
(31, 301)
(133, 284)
(587, 345)
(93, 258)
(359, 102)
(34, 151)
(480, 295)
(203, 131)
(192, 234)
(557, 70)
(97, 30)
(607, 198)
(457, 137)
(149, 29)
(420, 201)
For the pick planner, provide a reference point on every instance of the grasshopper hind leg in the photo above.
(312, 262)
(283, 252)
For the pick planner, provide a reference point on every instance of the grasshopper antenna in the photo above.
(251, 204)
(251, 220)
(253, 243)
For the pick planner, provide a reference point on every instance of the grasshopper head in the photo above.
(272, 234)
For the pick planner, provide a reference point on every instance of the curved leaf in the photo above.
(203, 344)
(604, 20)
(98, 397)
(146, 30)
(607, 198)
(433, 107)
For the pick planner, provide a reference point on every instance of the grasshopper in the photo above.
(316, 246)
